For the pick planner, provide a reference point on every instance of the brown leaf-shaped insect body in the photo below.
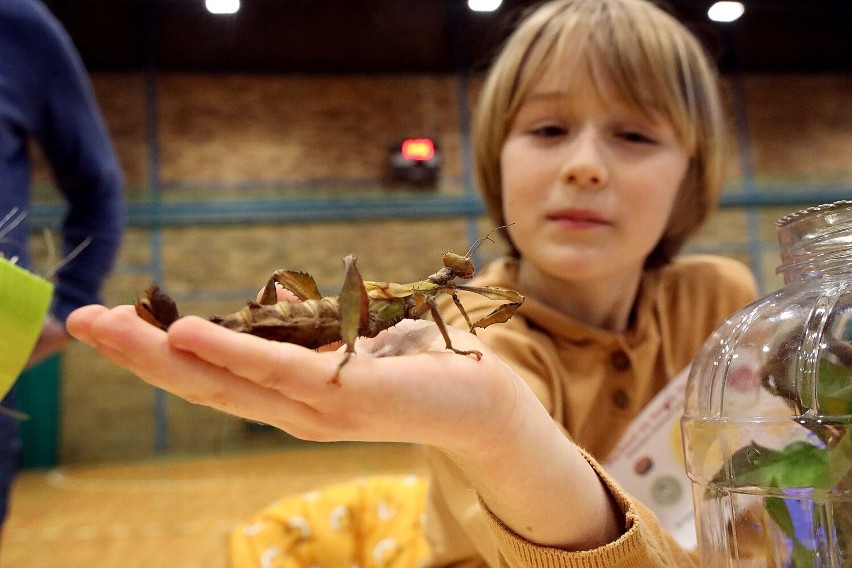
(312, 323)
(362, 309)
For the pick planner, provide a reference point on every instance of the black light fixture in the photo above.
(415, 160)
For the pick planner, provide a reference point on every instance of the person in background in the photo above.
(46, 96)
(598, 140)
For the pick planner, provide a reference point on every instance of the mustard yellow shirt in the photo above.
(593, 383)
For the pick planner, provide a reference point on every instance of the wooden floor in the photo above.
(170, 512)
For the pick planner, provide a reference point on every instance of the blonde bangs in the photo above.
(629, 53)
(644, 69)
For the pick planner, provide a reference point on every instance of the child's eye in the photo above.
(548, 131)
(637, 137)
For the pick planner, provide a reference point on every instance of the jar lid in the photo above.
(816, 234)
(818, 211)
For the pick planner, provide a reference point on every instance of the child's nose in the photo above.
(585, 166)
(585, 177)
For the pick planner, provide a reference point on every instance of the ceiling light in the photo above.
(484, 5)
(222, 6)
(725, 11)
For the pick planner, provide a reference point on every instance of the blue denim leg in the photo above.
(10, 451)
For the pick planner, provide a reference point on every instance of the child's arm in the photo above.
(480, 412)
(537, 483)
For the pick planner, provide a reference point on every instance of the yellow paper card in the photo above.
(24, 300)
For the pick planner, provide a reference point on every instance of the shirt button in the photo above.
(621, 399)
(619, 360)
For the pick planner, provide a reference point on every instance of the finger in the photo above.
(284, 295)
(367, 403)
(120, 336)
(279, 366)
(206, 364)
(359, 408)
(331, 346)
(301, 372)
(80, 320)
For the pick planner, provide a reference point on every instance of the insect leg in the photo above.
(503, 313)
(459, 305)
(442, 327)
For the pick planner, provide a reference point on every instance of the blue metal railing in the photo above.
(329, 209)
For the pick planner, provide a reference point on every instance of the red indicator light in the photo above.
(418, 149)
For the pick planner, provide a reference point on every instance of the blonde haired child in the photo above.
(598, 141)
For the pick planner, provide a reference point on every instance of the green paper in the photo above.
(24, 300)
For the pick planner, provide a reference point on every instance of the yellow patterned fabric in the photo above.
(375, 522)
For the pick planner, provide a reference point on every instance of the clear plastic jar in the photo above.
(768, 409)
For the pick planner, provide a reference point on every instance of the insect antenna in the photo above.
(487, 237)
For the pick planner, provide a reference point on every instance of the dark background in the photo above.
(365, 36)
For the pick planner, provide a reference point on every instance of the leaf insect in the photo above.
(362, 308)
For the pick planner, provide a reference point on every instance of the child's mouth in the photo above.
(577, 219)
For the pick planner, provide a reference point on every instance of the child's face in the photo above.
(588, 183)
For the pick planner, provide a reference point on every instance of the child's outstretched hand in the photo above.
(402, 386)
(424, 394)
